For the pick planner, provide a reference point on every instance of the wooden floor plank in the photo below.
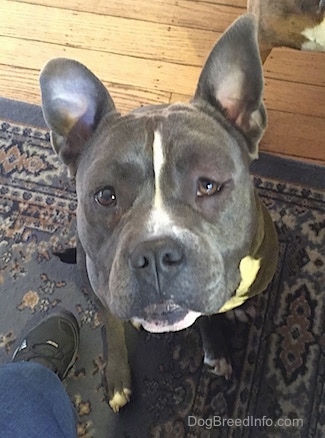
(237, 3)
(119, 69)
(298, 136)
(211, 16)
(108, 34)
(296, 66)
(295, 98)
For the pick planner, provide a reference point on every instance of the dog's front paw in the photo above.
(216, 355)
(118, 383)
(219, 366)
(119, 399)
(117, 369)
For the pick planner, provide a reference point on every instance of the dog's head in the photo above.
(166, 206)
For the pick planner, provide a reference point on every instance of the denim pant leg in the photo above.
(34, 403)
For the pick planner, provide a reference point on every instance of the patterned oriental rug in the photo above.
(277, 388)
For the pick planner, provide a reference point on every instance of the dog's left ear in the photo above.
(74, 101)
(232, 79)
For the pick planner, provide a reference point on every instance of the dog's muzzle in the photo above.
(155, 263)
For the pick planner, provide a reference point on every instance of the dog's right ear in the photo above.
(73, 101)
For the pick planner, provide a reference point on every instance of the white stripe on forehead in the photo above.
(158, 162)
(159, 220)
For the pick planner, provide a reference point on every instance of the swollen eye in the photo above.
(207, 187)
(106, 197)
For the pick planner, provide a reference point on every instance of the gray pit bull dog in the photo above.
(170, 227)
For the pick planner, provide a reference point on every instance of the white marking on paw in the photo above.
(120, 399)
(316, 37)
(219, 367)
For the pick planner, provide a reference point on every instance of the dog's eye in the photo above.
(106, 197)
(207, 187)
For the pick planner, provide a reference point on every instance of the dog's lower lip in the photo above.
(166, 321)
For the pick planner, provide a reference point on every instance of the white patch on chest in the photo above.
(316, 38)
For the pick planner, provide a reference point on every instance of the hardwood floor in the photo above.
(151, 51)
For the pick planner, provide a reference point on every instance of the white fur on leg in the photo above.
(120, 399)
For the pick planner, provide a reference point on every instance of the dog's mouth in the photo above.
(166, 317)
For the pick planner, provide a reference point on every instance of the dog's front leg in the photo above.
(117, 366)
(216, 355)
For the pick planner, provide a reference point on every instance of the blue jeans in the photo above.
(33, 403)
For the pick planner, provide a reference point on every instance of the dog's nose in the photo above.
(157, 256)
